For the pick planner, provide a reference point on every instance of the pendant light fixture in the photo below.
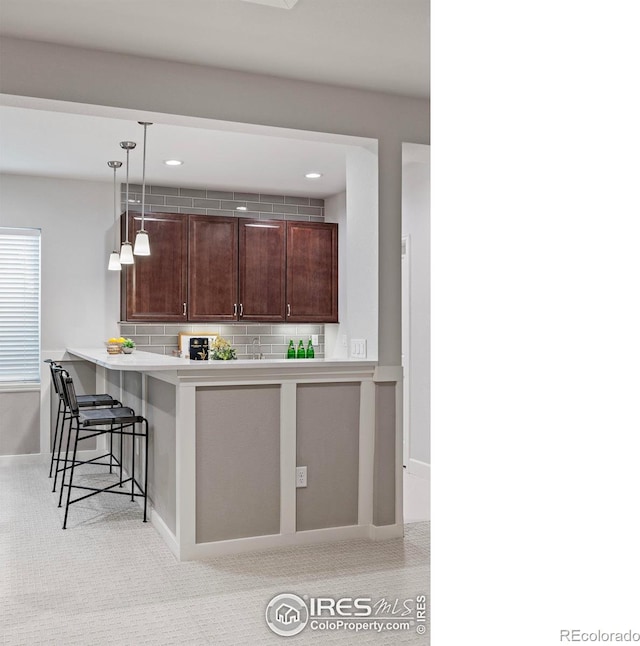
(114, 258)
(126, 252)
(141, 247)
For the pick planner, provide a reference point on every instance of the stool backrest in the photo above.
(69, 394)
(59, 374)
(55, 368)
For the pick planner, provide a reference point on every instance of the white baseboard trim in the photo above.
(161, 527)
(419, 469)
(385, 532)
(45, 458)
(258, 543)
(27, 458)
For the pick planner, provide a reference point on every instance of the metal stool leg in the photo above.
(146, 466)
(73, 464)
(121, 454)
(133, 460)
(110, 452)
(55, 437)
(59, 450)
(66, 462)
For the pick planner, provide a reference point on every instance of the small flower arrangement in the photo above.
(221, 350)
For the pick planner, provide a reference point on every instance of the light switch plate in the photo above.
(358, 348)
(315, 339)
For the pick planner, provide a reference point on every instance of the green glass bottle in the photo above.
(291, 351)
(310, 351)
(300, 354)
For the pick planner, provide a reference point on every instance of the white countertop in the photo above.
(148, 361)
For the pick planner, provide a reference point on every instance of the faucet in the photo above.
(255, 348)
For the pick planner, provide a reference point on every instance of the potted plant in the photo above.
(128, 346)
(221, 350)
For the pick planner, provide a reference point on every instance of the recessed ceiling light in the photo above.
(313, 175)
(241, 208)
(173, 162)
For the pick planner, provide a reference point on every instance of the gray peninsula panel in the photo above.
(237, 462)
(327, 443)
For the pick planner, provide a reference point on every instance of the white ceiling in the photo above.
(59, 144)
(373, 44)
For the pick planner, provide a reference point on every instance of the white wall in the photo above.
(335, 210)
(80, 303)
(356, 212)
(416, 225)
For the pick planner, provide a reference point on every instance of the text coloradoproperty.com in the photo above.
(598, 636)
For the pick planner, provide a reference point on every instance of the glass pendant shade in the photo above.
(141, 247)
(114, 262)
(126, 254)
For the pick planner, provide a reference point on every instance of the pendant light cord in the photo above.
(126, 208)
(115, 210)
(144, 166)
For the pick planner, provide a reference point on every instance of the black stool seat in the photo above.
(85, 401)
(100, 416)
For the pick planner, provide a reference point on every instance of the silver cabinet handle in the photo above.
(235, 309)
(288, 309)
(184, 309)
(241, 310)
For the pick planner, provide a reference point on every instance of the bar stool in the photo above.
(121, 420)
(84, 402)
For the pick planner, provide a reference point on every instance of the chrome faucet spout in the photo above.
(255, 348)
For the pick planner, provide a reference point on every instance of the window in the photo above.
(19, 305)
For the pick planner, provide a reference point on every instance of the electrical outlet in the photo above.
(301, 477)
(315, 339)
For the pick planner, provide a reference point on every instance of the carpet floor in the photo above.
(109, 579)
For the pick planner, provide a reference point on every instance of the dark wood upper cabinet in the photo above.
(209, 268)
(262, 254)
(312, 272)
(155, 286)
(213, 268)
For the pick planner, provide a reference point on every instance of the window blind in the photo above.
(19, 305)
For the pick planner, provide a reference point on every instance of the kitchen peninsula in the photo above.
(226, 438)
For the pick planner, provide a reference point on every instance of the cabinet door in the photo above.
(155, 286)
(262, 270)
(312, 272)
(213, 268)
